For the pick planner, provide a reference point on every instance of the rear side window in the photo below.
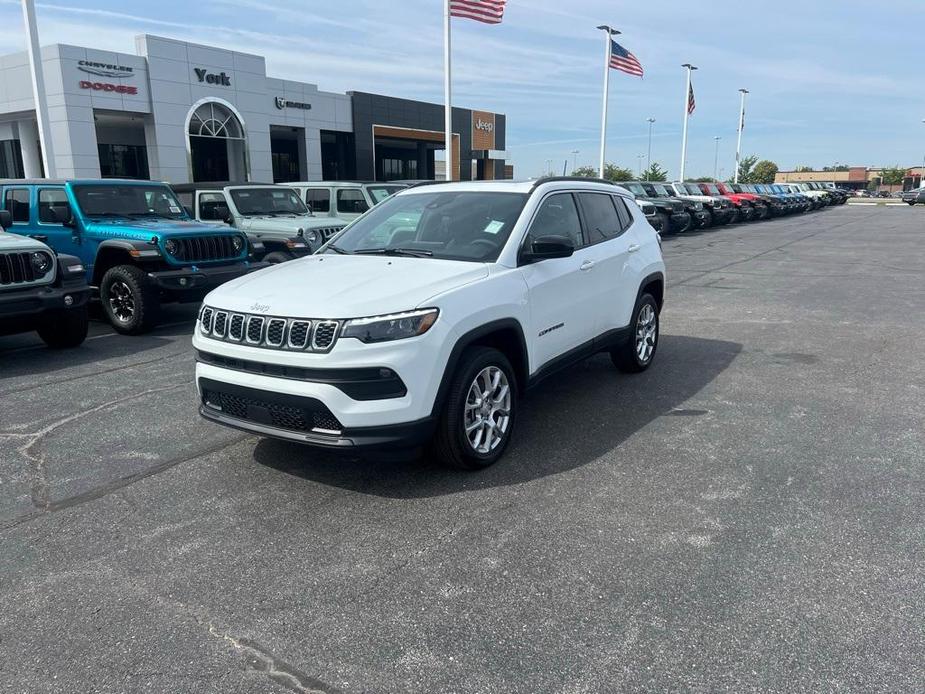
(318, 199)
(351, 201)
(600, 216)
(50, 200)
(16, 201)
(623, 212)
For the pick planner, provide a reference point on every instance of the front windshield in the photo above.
(635, 188)
(449, 225)
(380, 193)
(651, 191)
(268, 201)
(128, 200)
(662, 191)
(712, 188)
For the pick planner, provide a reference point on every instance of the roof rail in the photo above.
(573, 179)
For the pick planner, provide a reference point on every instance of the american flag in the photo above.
(691, 104)
(624, 61)
(486, 11)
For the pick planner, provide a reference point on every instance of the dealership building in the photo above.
(182, 112)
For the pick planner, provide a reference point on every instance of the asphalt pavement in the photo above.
(747, 516)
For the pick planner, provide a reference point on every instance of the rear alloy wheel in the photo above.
(636, 354)
(478, 416)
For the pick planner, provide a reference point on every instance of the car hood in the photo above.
(143, 230)
(698, 198)
(15, 242)
(344, 286)
(287, 225)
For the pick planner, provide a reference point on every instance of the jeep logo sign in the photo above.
(211, 78)
(484, 125)
(483, 131)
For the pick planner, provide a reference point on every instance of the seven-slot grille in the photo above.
(198, 249)
(295, 334)
(16, 268)
(327, 233)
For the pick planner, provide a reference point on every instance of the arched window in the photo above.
(215, 120)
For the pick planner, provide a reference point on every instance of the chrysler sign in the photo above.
(105, 69)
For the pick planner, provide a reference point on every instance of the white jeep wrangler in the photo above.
(425, 320)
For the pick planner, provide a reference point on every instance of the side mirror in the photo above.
(189, 211)
(6, 219)
(546, 247)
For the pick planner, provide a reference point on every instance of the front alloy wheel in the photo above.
(121, 301)
(488, 410)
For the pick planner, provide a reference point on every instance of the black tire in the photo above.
(451, 445)
(666, 223)
(626, 356)
(65, 329)
(130, 300)
(278, 257)
(910, 203)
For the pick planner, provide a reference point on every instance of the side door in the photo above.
(613, 230)
(561, 290)
(319, 201)
(17, 200)
(211, 207)
(53, 205)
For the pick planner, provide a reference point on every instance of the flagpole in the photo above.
(608, 32)
(741, 128)
(447, 92)
(687, 114)
(38, 89)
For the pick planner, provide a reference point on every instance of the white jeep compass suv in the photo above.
(426, 320)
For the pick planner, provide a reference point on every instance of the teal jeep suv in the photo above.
(139, 246)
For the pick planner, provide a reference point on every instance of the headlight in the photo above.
(396, 326)
(171, 246)
(237, 243)
(698, 206)
(41, 263)
(311, 236)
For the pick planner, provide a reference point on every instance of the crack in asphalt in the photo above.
(258, 658)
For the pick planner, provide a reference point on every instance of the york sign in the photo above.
(211, 78)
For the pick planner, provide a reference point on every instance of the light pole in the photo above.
(743, 92)
(687, 92)
(608, 44)
(640, 157)
(649, 155)
(575, 154)
(38, 92)
(716, 158)
(548, 167)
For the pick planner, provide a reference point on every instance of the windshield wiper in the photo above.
(338, 249)
(410, 252)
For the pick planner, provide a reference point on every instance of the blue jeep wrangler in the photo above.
(139, 246)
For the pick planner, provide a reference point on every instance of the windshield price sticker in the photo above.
(494, 227)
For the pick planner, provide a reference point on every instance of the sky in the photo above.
(829, 81)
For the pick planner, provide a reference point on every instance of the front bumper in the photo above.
(702, 219)
(680, 221)
(202, 278)
(33, 302)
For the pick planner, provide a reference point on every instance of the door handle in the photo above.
(587, 265)
(633, 248)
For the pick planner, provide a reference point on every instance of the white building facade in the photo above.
(176, 111)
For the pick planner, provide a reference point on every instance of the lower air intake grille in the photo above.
(298, 414)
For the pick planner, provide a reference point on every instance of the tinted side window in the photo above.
(557, 216)
(351, 201)
(50, 200)
(600, 216)
(318, 199)
(623, 212)
(212, 207)
(16, 200)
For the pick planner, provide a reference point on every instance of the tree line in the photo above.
(751, 170)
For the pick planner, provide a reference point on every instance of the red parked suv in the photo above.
(759, 205)
(746, 211)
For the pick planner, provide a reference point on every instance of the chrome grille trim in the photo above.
(270, 332)
(236, 327)
(255, 326)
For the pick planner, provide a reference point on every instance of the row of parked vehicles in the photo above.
(674, 208)
(140, 244)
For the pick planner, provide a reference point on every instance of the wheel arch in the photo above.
(653, 284)
(506, 335)
(109, 254)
